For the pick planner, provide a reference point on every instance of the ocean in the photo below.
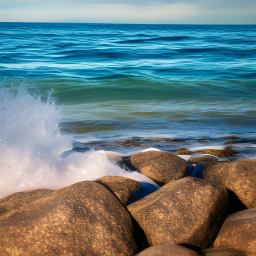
(70, 92)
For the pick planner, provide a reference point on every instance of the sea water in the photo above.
(63, 84)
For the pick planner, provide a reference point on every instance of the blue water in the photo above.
(118, 81)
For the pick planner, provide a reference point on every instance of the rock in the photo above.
(238, 177)
(227, 152)
(203, 161)
(19, 199)
(126, 143)
(159, 166)
(167, 250)
(233, 137)
(184, 151)
(220, 252)
(161, 139)
(188, 211)
(82, 219)
(124, 188)
(222, 153)
(114, 157)
(230, 142)
(239, 232)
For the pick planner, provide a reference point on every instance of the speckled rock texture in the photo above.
(188, 211)
(238, 177)
(123, 188)
(17, 200)
(227, 152)
(220, 252)
(203, 161)
(239, 232)
(161, 167)
(167, 250)
(82, 219)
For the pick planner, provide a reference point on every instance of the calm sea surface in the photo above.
(117, 81)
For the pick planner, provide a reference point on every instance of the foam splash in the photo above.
(31, 147)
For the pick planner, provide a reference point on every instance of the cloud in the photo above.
(124, 11)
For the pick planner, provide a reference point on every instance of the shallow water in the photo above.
(63, 84)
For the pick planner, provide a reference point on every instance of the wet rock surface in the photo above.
(188, 211)
(227, 152)
(159, 166)
(81, 219)
(102, 217)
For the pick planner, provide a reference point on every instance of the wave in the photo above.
(32, 147)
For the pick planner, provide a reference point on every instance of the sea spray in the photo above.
(32, 147)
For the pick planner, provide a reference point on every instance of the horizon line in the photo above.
(124, 23)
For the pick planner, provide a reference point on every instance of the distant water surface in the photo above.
(189, 81)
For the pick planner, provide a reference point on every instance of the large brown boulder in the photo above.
(188, 211)
(19, 199)
(167, 250)
(124, 188)
(239, 232)
(238, 177)
(220, 252)
(159, 166)
(82, 219)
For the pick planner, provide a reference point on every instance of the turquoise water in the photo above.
(67, 89)
(189, 81)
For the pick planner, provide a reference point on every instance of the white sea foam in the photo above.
(207, 147)
(31, 148)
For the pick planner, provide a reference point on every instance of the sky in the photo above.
(133, 11)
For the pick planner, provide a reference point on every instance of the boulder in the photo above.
(184, 151)
(238, 177)
(19, 199)
(239, 232)
(222, 153)
(220, 252)
(82, 219)
(167, 250)
(189, 211)
(203, 161)
(227, 152)
(124, 188)
(159, 166)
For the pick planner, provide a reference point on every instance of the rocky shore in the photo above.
(204, 206)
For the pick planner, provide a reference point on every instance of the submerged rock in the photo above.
(162, 139)
(124, 188)
(81, 219)
(239, 232)
(167, 250)
(188, 211)
(222, 153)
(159, 166)
(184, 151)
(238, 177)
